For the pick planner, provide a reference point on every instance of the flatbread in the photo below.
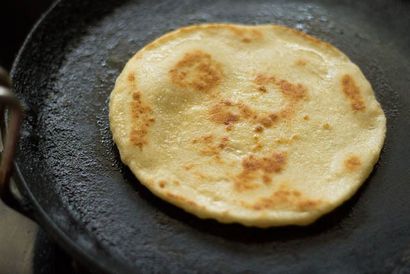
(259, 125)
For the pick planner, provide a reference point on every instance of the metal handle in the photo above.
(10, 128)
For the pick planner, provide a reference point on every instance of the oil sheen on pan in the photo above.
(258, 125)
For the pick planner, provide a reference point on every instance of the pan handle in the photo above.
(10, 128)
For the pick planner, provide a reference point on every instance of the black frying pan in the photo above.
(70, 170)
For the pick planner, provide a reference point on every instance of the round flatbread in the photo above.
(259, 125)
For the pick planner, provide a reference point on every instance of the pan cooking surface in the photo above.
(93, 204)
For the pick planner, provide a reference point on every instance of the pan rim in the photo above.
(65, 242)
(102, 265)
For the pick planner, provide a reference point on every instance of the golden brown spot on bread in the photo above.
(223, 143)
(268, 120)
(228, 127)
(262, 89)
(306, 117)
(306, 205)
(197, 70)
(290, 90)
(352, 163)
(266, 179)
(222, 116)
(259, 129)
(200, 175)
(301, 62)
(228, 113)
(252, 166)
(131, 77)
(257, 147)
(180, 199)
(262, 79)
(352, 92)
(293, 92)
(162, 184)
(326, 126)
(136, 96)
(245, 35)
(188, 166)
(290, 140)
(296, 193)
(246, 111)
(285, 198)
(272, 163)
(211, 146)
(279, 199)
(295, 137)
(142, 119)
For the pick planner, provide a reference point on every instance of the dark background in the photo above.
(17, 17)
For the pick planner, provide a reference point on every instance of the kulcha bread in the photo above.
(259, 125)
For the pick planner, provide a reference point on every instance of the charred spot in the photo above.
(352, 92)
(197, 70)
